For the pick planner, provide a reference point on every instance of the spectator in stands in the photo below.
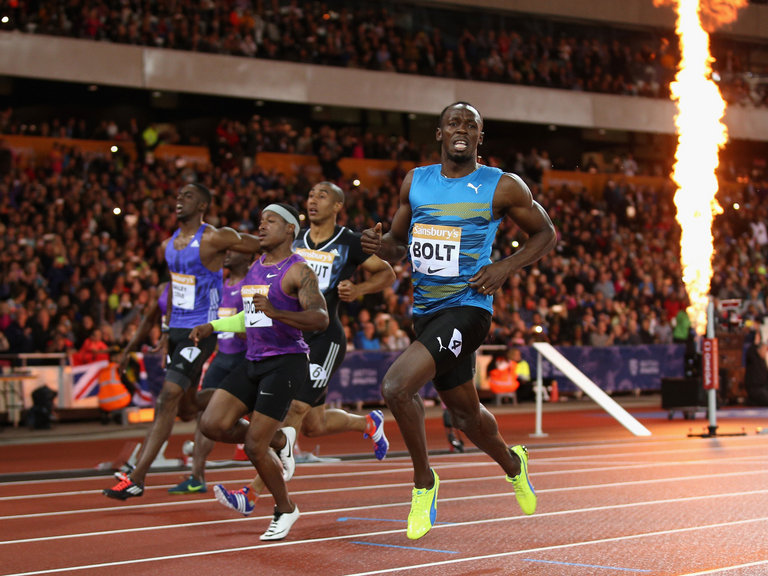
(756, 372)
(19, 333)
(395, 338)
(366, 338)
(94, 348)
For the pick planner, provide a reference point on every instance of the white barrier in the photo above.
(591, 389)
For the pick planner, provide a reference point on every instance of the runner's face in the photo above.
(233, 260)
(188, 204)
(322, 204)
(460, 133)
(273, 230)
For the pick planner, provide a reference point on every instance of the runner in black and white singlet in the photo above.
(334, 253)
(194, 255)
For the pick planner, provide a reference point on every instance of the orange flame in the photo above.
(701, 133)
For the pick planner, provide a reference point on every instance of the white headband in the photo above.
(285, 215)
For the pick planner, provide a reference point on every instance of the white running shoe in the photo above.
(281, 524)
(286, 454)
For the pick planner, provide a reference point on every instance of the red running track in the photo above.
(609, 504)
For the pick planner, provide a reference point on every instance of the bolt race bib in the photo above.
(435, 249)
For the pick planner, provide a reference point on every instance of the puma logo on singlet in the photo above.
(475, 188)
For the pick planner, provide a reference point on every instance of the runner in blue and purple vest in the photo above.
(195, 254)
(281, 299)
(229, 355)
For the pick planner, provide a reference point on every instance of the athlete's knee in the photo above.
(394, 390)
(468, 419)
(203, 397)
(256, 450)
(187, 413)
(298, 410)
(168, 399)
(212, 427)
(312, 429)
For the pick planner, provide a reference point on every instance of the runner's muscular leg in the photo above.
(188, 404)
(296, 414)
(322, 421)
(260, 432)
(221, 421)
(472, 418)
(166, 408)
(400, 389)
(203, 445)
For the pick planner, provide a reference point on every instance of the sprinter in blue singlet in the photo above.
(446, 223)
(194, 254)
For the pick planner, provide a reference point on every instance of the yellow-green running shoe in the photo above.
(423, 510)
(524, 492)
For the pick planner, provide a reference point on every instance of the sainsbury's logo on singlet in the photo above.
(183, 291)
(321, 262)
(254, 318)
(435, 249)
(226, 313)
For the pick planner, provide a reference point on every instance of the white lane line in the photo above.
(174, 503)
(562, 547)
(726, 568)
(589, 468)
(346, 511)
(686, 444)
(386, 532)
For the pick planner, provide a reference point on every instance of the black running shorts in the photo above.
(326, 353)
(268, 386)
(185, 359)
(220, 367)
(452, 336)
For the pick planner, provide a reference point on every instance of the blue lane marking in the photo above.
(347, 518)
(404, 547)
(585, 565)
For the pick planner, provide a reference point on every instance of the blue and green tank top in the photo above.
(451, 236)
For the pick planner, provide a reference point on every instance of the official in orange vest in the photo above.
(502, 375)
(113, 395)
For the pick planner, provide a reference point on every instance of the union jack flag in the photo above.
(143, 395)
(85, 379)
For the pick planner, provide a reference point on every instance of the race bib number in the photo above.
(183, 295)
(322, 263)
(318, 375)
(254, 319)
(226, 313)
(435, 249)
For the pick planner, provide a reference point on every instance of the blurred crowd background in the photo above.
(76, 274)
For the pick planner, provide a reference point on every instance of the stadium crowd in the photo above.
(404, 38)
(76, 273)
(79, 233)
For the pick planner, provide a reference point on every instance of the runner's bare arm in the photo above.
(301, 281)
(514, 200)
(392, 246)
